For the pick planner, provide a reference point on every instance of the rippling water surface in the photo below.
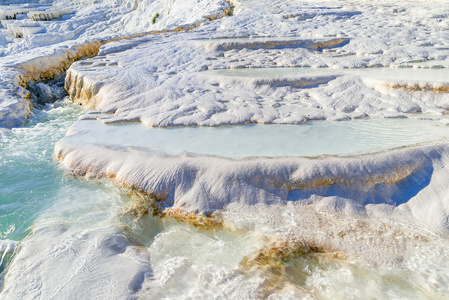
(29, 176)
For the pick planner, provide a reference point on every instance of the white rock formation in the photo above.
(159, 63)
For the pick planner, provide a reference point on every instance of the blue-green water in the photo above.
(29, 175)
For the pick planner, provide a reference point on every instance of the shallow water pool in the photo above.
(395, 75)
(309, 139)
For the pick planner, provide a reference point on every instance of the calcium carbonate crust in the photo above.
(405, 184)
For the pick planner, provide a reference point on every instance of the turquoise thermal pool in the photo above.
(309, 139)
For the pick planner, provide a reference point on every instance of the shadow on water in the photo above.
(45, 92)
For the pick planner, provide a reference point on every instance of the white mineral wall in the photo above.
(15, 105)
(405, 184)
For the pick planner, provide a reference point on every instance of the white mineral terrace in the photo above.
(215, 149)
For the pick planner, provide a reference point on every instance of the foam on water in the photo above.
(330, 277)
(212, 263)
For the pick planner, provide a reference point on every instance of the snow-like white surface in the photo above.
(90, 22)
(23, 29)
(341, 81)
(359, 58)
(357, 34)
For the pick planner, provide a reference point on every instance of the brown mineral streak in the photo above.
(272, 259)
(280, 252)
(274, 44)
(419, 87)
(199, 221)
(145, 203)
